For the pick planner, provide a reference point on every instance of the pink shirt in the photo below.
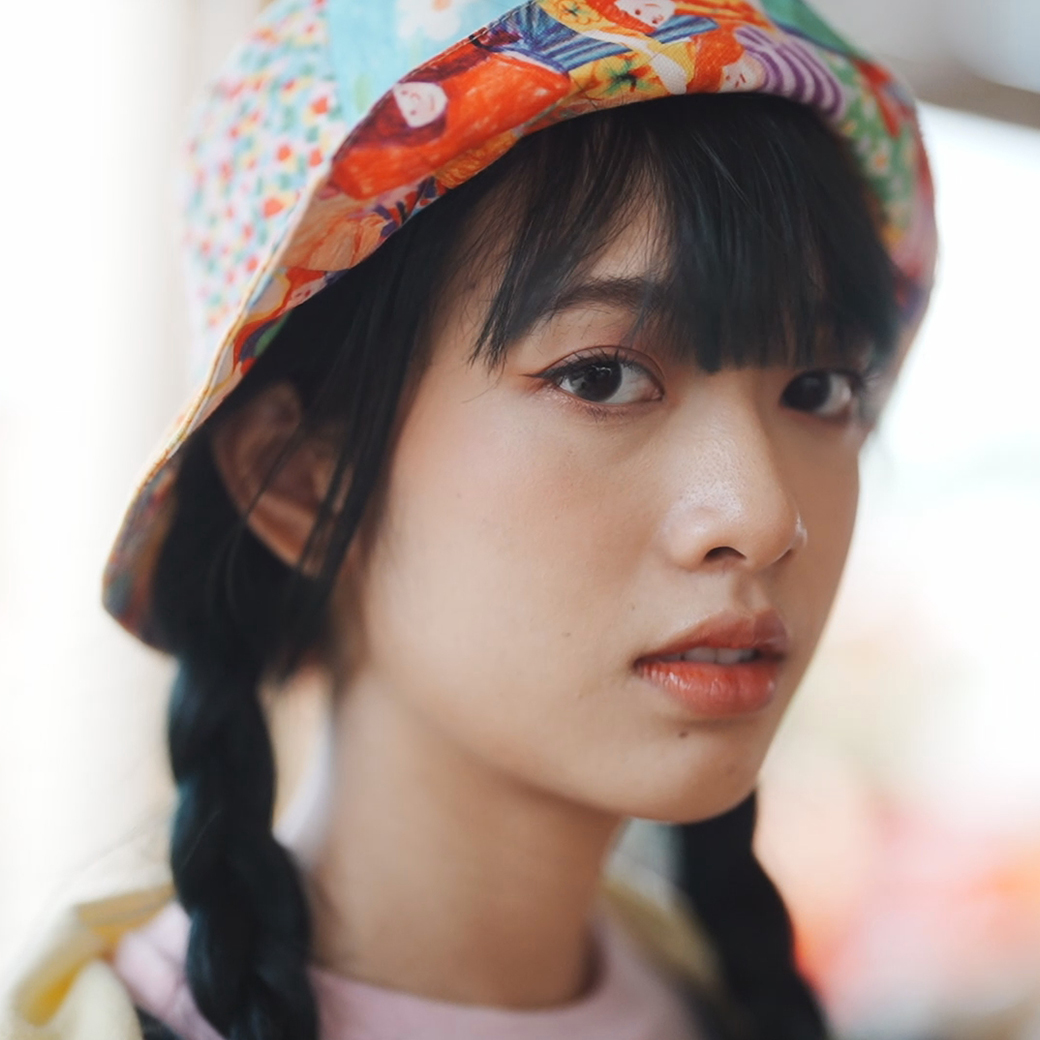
(629, 1002)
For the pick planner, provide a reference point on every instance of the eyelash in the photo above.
(554, 377)
(859, 386)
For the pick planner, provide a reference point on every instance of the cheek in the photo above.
(502, 514)
(831, 509)
(827, 490)
(493, 586)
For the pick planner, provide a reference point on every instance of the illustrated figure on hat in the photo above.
(452, 104)
(543, 340)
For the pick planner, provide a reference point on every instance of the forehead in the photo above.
(634, 247)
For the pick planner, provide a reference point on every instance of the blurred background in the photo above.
(901, 804)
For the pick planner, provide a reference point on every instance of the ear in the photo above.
(279, 495)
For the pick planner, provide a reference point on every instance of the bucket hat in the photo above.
(337, 120)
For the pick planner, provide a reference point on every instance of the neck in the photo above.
(443, 877)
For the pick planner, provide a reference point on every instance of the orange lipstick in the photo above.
(725, 667)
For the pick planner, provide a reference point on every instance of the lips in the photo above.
(725, 667)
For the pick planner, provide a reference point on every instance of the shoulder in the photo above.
(70, 991)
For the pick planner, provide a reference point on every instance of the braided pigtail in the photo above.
(750, 929)
(249, 940)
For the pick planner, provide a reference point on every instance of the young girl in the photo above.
(539, 434)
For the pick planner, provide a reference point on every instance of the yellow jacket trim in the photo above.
(71, 993)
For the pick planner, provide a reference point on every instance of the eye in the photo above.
(827, 393)
(605, 379)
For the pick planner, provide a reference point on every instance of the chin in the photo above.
(693, 807)
(685, 794)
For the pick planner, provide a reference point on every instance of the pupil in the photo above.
(808, 392)
(597, 381)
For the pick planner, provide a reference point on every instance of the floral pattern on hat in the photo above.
(261, 138)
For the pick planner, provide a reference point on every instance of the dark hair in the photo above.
(771, 250)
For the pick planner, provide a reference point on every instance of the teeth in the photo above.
(735, 656)
(707, 654)
(716, 655)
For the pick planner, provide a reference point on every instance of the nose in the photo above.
(731, 504)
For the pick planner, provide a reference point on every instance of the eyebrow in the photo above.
(645, 298)
(640, 295)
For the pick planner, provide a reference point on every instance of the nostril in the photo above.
(721, 552)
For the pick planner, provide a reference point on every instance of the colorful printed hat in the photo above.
(339, 119)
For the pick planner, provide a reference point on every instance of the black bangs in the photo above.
(767, 247)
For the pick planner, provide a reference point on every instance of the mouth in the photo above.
(726, 667)
(715, 655)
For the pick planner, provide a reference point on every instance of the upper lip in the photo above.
(764, 631)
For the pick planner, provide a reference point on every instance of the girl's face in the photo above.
(556, 533)
(653, 12)
(420, 103)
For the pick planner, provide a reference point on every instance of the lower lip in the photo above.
(716, 691)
